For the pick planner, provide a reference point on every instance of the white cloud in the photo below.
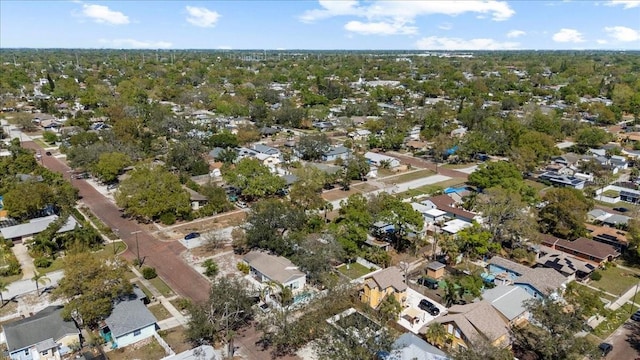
(601, 41)
(626, 4)
(383, 16)
(568, 35)
(445, 26)
(225, 47)
(135, 44)
(202, 17)
(444, 43)
(103, 15)
(622, 33)
(380, 28)
(515, 33)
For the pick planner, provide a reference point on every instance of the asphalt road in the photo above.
(625, 341)
(164, 256)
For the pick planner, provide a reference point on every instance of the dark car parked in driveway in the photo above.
(429, 307)
(192, 235)
(621, 209)
(636, 316)
(605, 348)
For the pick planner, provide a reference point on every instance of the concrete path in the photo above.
(26, 286)
(25, 260)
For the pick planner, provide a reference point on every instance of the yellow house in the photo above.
(389, 281)
(471, 322)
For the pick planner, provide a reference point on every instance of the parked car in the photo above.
(636, 316)
(241, 204)
(428, 282)
(48, 153)
(112, 186)
(429, 307)
(621, 209)
(81, 176)
(192, 235)
(606, 348)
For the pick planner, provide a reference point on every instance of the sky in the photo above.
(322, 25)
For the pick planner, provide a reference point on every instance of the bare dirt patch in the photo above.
(176, 339)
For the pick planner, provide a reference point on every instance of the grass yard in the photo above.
(176, 339)
(364, 187)
(430, 189)
(409, 176)
(536, 185)
(159, 311)
(150, 350)
(161, 286)
(11, 278)
(614, 320)
(354, 271)
(615, 280)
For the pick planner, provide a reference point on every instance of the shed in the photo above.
(435, 269)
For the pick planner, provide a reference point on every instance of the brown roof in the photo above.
(389, 277)
(581, 246)
(595, 230)
(477, 318)
(416, 144)
(445, 203)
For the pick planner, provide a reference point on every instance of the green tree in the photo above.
(306, 191)
(390, 308)
(228, 309)
(269, 221)
(110, 165)
(27, 199)
(254, 179)
(224, 139)
(494, 174)
(210, 268)
(506, 216)
(152, 191)
(90, 286)
(312, 147)
(49, 136)
(554, 335)
(565, 213)
(40, 279)
(592, 137)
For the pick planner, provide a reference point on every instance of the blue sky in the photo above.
(338, 24)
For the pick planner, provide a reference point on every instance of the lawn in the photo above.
(406, 177)
(536, 185)
(11, 278)
(161, 286)
(430, 189)
(176, 339)
(150, 351)
(615, 280)
(354, 271)
(614, 320)
(159, 311)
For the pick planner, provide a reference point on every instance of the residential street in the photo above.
(164, 256)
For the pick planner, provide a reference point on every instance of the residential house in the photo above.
(539, 282)
(510, 302)
(606, 235)
(619, 162)
(130, 321)
(197, 200)
(411, 347)
(560, 180)
(475, 321)
(338, 152)
(269, 268)
(45, 335)
(567, 265)
(359, 135)
(36, 226)
(383, 283)
(582, 248)
(416, 145)
(379, 159)
(448, 205)
(323, 125)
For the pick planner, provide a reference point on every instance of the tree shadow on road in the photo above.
(633, 337)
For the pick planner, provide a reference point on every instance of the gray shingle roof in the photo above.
(128, 315)
(44, 325)
(35, 226)
(542, 279)
(276, 268)
(509, 265)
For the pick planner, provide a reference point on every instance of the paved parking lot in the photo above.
(419, 317)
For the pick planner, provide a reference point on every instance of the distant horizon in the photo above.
(320, 50)
(323, 25)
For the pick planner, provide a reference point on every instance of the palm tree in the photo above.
(437, 335)
(3, 288)
(40, 278)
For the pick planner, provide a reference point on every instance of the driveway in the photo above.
(25, 286)
(25, 260)
(423, 317)
(164, 256)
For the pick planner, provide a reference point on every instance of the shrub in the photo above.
(595, 276)
(168, 218)
(183, 304)
(42, 262)
(210, 268)
(149, 273)
(243, 267)
(50, 137)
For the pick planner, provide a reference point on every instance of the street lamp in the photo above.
(137, 247)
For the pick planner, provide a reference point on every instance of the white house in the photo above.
(36, 226)
(266, 268)
(361, 134)
(338, 152)
(129, 322)
(378, 159)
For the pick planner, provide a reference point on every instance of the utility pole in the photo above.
(117, 232)
(137, 247)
